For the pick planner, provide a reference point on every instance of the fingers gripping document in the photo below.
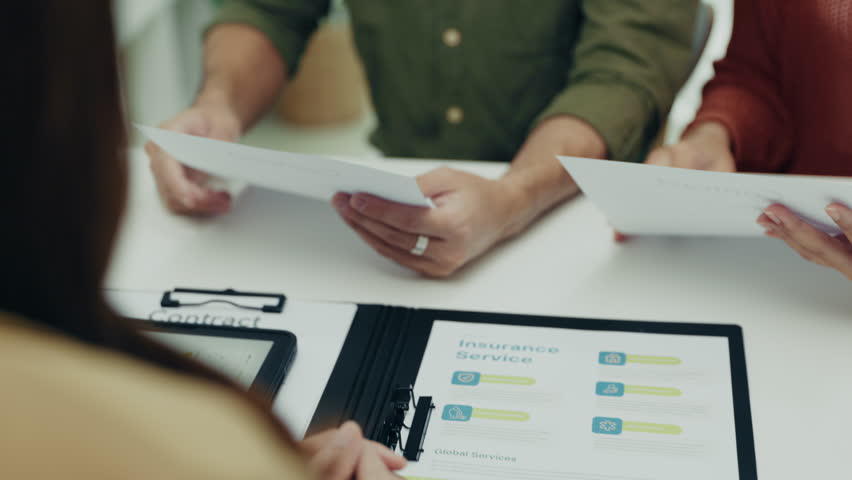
(652, 200)
(308, 175)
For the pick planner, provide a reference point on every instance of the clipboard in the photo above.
(374, 376)
(258, 359)
(319, 342)
(382, 355)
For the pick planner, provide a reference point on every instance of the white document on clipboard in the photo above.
(535, 403)
(652, 200)
(308, 175)
(321, 328)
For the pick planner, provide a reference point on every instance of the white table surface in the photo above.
(797, 317)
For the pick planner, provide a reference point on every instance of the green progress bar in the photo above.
(651, 428)
(508, 415)
(643, 390)
(652, 360)
(507, 380)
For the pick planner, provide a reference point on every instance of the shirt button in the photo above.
(452, 37)
(455, 115)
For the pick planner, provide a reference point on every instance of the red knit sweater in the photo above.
(784, 90)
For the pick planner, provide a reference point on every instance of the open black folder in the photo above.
(384, 354)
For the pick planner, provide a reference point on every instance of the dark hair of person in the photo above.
(64, 178)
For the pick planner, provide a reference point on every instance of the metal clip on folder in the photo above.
(168, 300)
(401, 399)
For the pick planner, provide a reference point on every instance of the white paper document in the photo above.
(308, 175)
(652, 200)
(538, 403)
(320, 330)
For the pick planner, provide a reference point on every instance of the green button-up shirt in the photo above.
(469, 79)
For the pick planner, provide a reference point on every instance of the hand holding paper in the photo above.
(470, 215)
(650, 200)
(184, 189)
(308, 175)
(706, 146)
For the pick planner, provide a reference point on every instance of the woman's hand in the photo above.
(373, 467)
(338, 454)
(705, 147)
(812, 244)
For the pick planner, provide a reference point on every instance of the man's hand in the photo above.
(471, 214)
(243, 73)
(812, 244)
(182, 188)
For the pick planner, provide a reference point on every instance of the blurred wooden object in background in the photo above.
(329, 88)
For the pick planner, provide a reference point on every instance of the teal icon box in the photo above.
(612, 358)
(466, 378)
(457, 413)
(610, 389)
(606, 425)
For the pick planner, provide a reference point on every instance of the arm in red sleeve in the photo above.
(744, 95)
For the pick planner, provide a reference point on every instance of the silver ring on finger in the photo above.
(421, 246)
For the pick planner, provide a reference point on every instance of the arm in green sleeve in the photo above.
(288, 23)
(630, 60)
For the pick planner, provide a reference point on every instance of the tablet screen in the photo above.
(238, 358)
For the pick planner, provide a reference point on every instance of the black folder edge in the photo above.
(368, 368)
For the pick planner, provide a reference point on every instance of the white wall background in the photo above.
(161, 50)
(689, 98)
(161, 54)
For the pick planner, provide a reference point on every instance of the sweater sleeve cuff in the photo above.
(760, 141)
(624, 117)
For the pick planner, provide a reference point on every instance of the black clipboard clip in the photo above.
(391, 433)
(168, 302)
